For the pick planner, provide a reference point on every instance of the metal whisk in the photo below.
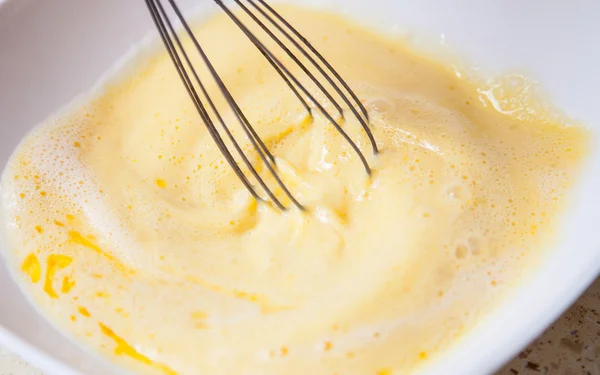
(270, 18)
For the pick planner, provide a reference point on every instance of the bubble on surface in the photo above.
(380, 105)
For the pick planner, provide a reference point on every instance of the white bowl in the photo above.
(52, 50)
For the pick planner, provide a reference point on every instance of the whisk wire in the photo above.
(194, 96)
(217, 114)
(257, 143)
(241, 117)
(156, 7)
(290, 53)
(362, 119)
(320, 57)
(175, 48)
(306, 92)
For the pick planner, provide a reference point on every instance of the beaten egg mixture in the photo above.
(127, 228)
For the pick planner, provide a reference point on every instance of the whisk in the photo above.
(267, 19)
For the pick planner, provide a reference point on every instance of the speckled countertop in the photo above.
(570, 347)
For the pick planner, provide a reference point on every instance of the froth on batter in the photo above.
(128, 229)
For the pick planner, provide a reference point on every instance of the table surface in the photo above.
(571, 346)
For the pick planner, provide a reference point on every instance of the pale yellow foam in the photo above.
(128, 228)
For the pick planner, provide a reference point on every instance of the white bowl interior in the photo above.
(50, 51)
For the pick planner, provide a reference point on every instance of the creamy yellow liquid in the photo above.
(128, 229)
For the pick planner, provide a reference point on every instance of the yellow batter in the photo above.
(128, 229)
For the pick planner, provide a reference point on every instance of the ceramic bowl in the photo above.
(50, 51)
